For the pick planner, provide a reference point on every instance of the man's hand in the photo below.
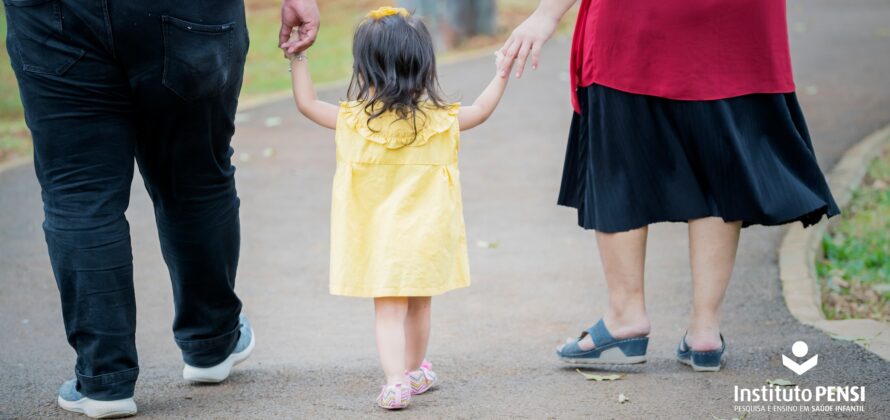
(302, 15)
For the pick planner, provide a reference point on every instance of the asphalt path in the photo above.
(492, 344)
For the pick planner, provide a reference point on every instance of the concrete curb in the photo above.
(800, 248)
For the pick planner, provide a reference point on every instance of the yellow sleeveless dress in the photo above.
(397, 226)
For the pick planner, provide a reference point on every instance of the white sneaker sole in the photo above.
(100, 409)
(218, 373)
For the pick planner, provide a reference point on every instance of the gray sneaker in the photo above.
(72, 400)
(220, 372)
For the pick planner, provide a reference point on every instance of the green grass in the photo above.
(330, 57)
(15, 140)
(855, 267)
(10, 105)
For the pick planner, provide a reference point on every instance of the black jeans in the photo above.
(107, 82)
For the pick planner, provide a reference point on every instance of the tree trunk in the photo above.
(453, 21)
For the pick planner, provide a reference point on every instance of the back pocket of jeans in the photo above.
(197, 58)
(37, 37)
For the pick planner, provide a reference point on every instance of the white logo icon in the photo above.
(800, 349)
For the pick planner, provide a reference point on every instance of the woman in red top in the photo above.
(684, 112)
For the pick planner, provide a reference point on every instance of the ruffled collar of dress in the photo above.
(392, 132)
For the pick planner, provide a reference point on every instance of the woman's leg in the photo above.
(390, 314)
(712, 250)
(624, 256)
(417, 331)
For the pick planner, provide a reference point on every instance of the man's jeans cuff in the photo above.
(109, 386)
(209, 352)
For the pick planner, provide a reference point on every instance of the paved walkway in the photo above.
(493, 342)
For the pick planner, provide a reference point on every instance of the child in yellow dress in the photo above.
(397, 227)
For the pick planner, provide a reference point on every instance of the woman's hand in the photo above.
(528, 39)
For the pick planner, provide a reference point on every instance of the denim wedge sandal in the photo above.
(607, 350)
(701, 361)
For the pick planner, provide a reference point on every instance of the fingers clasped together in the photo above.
(300, 20)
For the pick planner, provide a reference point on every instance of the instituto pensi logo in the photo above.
(784, 396)
(800, 349)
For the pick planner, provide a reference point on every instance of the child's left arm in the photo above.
(476, 114)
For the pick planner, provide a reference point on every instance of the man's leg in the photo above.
(77, 106)
(186, 63)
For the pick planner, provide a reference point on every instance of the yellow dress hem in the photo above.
(395, 292)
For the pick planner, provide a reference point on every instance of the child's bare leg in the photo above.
(417, 331)
(390, 314)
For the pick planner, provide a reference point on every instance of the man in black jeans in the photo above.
(105, 83)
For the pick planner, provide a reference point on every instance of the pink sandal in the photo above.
(423, 379)
(394, 397)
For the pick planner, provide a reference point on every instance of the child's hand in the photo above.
(504, 65)
(294, 38)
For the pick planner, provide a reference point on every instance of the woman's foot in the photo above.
(701, 360)
(394, 397)
(606, 348)
(423, 379)
(620, 327)
(704, 335)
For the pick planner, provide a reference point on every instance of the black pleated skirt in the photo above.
(633, 160)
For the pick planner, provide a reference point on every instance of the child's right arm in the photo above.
(320, 112)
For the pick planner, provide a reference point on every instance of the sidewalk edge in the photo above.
(15, 163)
(800, 248)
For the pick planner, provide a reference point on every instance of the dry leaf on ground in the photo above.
(600, 378)
(780, 382)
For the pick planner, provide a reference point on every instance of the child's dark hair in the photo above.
(395, 67)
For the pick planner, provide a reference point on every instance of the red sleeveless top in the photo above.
(682, 49)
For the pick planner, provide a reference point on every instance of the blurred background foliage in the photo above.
(458, 25)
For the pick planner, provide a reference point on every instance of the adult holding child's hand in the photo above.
(529, 38)
(302, 15)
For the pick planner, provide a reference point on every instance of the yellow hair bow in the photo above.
(388, 11)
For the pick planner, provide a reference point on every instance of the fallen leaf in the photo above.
(780, 382)
(622, 398)
(840, 282)
(273, 122)
(744, 415)
(848, 338)
(600, 378)
(488, 244)
(244, 157)
(268, 152)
